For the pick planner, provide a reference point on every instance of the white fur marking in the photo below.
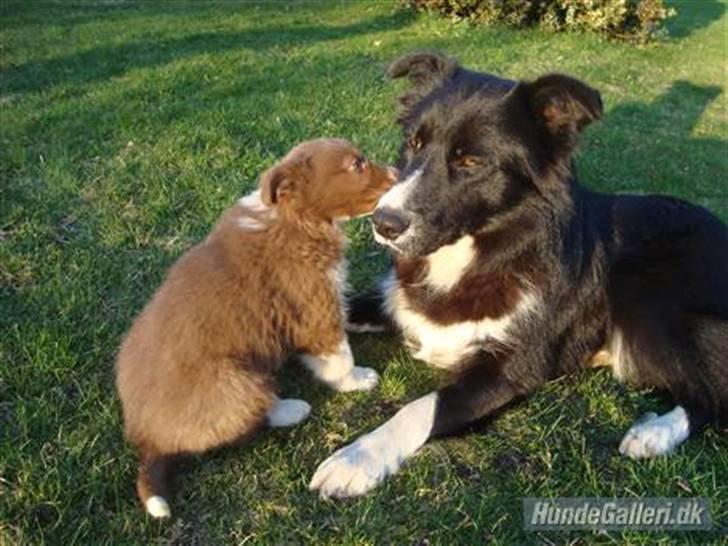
(256, 212)
(359, 379)
(656, 435)
(288, 412)
(360, 466)
(396, 197)
(338, 371)
(445, 346)
(157, 507)
(622, 361)
(446, 266)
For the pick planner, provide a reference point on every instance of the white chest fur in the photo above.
(446, 266)
(445, 346)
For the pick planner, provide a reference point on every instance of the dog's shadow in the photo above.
(652, 148)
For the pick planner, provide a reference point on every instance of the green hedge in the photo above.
(632, 20)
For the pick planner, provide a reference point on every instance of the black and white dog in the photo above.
(509, 273)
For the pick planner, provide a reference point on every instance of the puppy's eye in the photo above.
(359, 164)
(414, 143)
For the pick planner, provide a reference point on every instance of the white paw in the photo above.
(157, 507)
(652, 435)
(353, 470)
(358, 379)
(288, 412)
(359, 467)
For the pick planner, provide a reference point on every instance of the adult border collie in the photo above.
(509, 273)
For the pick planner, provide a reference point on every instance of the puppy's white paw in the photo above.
(656, 435)
(353, 470)
(157, 507)
(358, 379)
(288, 412)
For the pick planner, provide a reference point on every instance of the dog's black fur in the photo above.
(496, 161)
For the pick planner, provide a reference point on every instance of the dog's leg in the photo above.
(358, 467)
(367, 314)
(654, 435)
(337, 370)
(288, 412)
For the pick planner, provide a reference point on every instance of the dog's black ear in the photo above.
(426, 71)
(277, 183)
(564, 105)
(423, 69)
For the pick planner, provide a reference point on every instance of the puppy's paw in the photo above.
(288, 412)
(655, 435)
(352, 471)
(359, 379)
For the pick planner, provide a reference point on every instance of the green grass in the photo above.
(127, 127)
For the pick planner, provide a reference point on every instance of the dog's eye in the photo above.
(465, 160)
(414, 143)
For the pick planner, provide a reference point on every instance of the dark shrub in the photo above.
(632, 20)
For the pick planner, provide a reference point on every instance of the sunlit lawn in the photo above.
(127, 127)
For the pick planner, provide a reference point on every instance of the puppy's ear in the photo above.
(277, 184)
(426, 71)
(564, 105)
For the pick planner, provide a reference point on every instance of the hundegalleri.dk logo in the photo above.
(645, 514)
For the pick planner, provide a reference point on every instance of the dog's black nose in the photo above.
(389, 223)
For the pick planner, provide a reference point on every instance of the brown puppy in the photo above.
(196, 370)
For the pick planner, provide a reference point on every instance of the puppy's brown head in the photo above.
(326, 179)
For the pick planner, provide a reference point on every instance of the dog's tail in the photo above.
(154, 483)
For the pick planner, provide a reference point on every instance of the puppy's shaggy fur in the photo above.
(196, 370)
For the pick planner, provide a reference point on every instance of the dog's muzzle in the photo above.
(389, 223)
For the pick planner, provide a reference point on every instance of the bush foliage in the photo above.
(632, 20)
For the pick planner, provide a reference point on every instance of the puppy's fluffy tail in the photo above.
(154, 483)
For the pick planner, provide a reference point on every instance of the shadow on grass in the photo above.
(105, 62)
(20, 13)
(691, 18)
(646, 145)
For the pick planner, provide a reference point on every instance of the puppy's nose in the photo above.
(393, 173)
(389, 223)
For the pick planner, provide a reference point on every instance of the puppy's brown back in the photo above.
(188, 374)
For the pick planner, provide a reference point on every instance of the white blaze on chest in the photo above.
(446, 345)
(447, 265)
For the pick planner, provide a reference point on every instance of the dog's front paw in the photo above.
(358, 379)
(353, 470)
